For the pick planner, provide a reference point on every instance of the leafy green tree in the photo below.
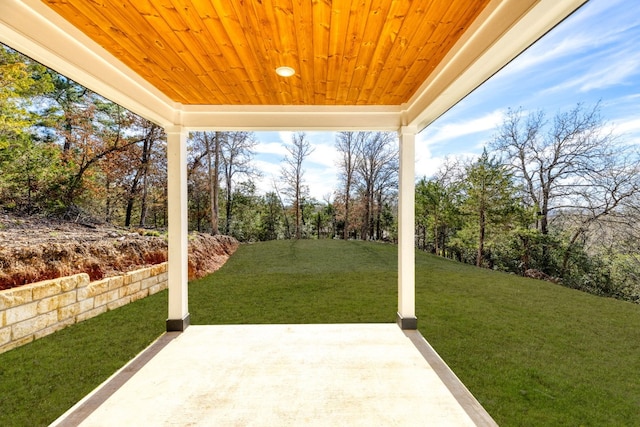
(26, 174)
(27, 160)
(22, 85)
(438, 202)
(271, 222)
(325, 220)
(435, 208)
(489, 200)
(246, 225)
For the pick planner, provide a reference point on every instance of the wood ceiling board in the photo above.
(215, 52)
(183, 44)
(118, 33)
(332, 31)
(391, 51)
(367, 42)
(252, 50)
(317, 64)
(502, 31)
(355, 52)
(304, 34)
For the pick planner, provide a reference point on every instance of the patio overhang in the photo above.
(499, 32)
(383, 66)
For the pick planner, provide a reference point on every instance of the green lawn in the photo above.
(533, 353)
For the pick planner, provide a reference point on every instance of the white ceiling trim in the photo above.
(32, 28)
(292, 117)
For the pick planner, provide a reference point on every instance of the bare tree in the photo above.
(292, 175)
(207, 147)
(570, 166)
(377, 170)
(348, 145)
(237, 154)
(285, 217)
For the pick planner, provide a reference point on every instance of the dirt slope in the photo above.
(34, 249)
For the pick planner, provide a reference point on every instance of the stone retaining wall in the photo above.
(32, 311)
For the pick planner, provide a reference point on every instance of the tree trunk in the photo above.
(107, 209)
(481, 238)
(213, 166)
(131, 199)
(436, 235)
(146, 154)
(143, 202)
(345, 232)
(297, 203)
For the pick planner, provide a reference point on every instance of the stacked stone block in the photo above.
(32, 311)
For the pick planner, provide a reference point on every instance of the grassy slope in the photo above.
(532, 352)
(306, 281)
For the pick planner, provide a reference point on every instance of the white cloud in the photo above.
(275, 148)
(323, 155)
(428, 166)
(269, 171)
(576, 37)
(321, 183)
(610, 76)
(285, 136)
(452, 130)
(610, 71)
(546, 50)
(626, 126)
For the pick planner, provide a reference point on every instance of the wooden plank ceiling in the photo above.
(224, 52)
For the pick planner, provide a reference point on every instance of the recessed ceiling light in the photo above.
(285, 71)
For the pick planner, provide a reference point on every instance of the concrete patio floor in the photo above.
(283, 375)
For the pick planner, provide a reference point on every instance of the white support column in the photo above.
(178, 318)
(406, 230)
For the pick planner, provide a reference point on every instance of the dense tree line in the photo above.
(363, 209)
(66, 151)
(551, 198)
(558, 199)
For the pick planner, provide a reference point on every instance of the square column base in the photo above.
(407, 323)
(178, 325)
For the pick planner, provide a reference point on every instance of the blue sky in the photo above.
(592, 56)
